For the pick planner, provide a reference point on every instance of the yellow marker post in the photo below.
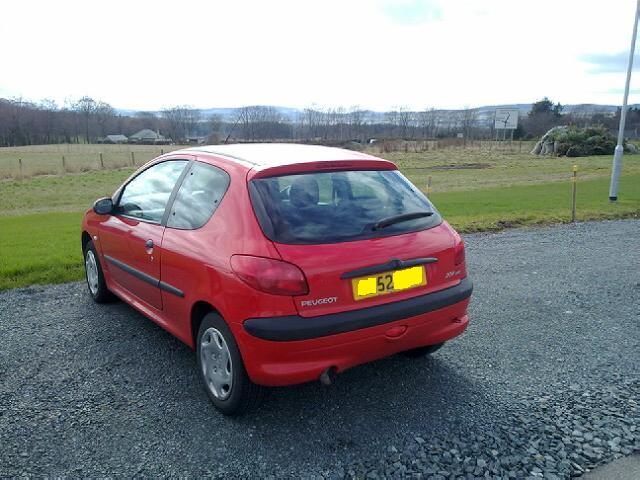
(428, 185)
(573, 200)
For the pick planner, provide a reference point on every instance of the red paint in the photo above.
(199, 263)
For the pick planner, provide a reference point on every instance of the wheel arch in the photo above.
(85, 238)
(199, 310)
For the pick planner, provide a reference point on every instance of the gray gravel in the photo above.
(544, 383)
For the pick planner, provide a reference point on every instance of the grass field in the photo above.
(48, 159)
(475, 190)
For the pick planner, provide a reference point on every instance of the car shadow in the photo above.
(367, 408)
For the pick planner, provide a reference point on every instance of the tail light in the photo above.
(459, 253)
(270, 275)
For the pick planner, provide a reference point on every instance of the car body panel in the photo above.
(125, 239)
(323, 265)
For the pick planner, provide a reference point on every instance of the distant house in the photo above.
(115, 139)
(148, 136)
(196, 140)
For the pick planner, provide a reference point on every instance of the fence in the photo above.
(416, 146)
(22, 162)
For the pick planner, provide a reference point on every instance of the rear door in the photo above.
(131, 239)
(328, 225)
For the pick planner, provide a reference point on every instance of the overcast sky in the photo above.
(376, 54)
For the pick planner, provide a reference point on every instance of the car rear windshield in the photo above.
(314, 208)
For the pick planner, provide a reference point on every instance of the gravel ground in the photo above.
(545, 382)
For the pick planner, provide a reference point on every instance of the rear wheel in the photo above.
(422, 351)
(95, 278)
(222, 371)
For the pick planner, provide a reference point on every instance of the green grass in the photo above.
(502, 207)
(45, 248)
(40, 248)
(58, 193)
(47, 159)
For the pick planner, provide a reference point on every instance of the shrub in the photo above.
(577, 142)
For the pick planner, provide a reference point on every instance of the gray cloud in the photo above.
(610, 62)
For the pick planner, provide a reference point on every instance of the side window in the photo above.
(146, 196)
(198, 197)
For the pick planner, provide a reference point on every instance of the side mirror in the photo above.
(103, 206)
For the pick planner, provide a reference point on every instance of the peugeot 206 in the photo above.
(279, 263)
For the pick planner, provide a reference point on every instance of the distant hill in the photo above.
(484, 112)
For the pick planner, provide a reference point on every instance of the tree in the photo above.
(468, 121)
(427, 121)
(544, 114)
(85, 108)
(545, 106)
(104, 114)
(181, 121)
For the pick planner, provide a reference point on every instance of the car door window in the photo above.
(146, 196)
(200, 194)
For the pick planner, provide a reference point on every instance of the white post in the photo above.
(617, 156)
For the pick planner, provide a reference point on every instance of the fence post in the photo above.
(573, 199)
(162, 151)
(20, 166)
(133, 159)
(428, 185)
(101, 161)
(64, 164)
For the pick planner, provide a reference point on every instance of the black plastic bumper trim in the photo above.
(145, 277)
(295, 327)
(392, 264)
(171, 289)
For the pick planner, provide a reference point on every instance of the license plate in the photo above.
(388, 282)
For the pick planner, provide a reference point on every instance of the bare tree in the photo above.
(104, 114)
(86, 108)
(468, 122)
(181, 121)
(355, 119)
(427, 123)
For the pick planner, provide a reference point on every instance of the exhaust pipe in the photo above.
(328, 376)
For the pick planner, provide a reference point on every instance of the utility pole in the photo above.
(617, 156)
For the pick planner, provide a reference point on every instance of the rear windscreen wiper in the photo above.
(404, 217)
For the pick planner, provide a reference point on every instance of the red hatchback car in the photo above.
(279, 263)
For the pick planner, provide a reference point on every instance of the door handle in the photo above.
(148, 244)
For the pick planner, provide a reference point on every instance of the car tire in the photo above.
(222, 371)
(422, 351)
(94, 275)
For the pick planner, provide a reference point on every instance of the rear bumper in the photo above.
(295, 327)
(279, 362)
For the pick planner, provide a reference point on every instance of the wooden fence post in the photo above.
(20, 166)
(428, 185)
(133, 159)
(64, 164)
(101, 161)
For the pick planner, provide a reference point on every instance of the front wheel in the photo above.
(222, 371)
(95, 277)
(422, 351)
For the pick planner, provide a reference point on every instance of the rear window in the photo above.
(315, 208)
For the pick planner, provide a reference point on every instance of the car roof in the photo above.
(278, 154)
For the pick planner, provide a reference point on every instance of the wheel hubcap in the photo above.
(216, 363)
(92, 272)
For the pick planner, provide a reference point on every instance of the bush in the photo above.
(578, 142)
